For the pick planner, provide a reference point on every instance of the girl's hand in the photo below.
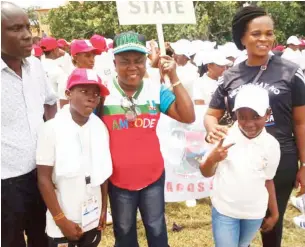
(220, 152)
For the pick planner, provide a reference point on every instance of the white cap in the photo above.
(183, 47)
(213, 56)
(217, 57)
(230, 50)
(253, 97)
(293, 40)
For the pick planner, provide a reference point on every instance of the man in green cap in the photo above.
(131, 114)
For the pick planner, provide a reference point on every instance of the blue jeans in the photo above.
(231, 232)
(150, 201)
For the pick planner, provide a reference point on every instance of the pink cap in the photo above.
(37, 51)
(302, 42)
(110, 45)
(82, 76)
(62, 43)
(99, 42)
(48, 44)
(78, 46)
(279, 48)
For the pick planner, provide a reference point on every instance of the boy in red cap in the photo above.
(50, 62)
(72, 170)
(64, 45)
(83, 54)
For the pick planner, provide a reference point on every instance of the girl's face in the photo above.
(259, 36)
(85, 60)
(250, 123)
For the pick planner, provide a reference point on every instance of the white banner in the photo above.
(182, 146)
(155, 12)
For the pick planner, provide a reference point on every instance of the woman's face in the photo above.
(84, 60)
(259, 36)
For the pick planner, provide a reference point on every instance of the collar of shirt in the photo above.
(24, 63)
(207, 78)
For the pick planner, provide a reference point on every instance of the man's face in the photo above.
(131, 67)
(16, 36)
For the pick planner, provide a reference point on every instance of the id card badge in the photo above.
(90, 214)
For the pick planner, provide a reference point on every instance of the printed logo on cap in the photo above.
(91, 75)
(88, 43)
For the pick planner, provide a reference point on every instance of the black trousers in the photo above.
(89, 239)
(22, 211)
(284, 181)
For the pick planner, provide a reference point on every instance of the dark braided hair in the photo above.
(241, 20)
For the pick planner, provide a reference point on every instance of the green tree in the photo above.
(33, 17)
(289, 18)
(214, 19)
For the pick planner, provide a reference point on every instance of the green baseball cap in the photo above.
(129, 41)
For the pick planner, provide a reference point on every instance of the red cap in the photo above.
(37, 51)
(62, 43)
(99, 42)
(279, 48)
(78, 46)
(48, 44)
(82, 76)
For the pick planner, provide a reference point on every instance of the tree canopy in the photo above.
(82, 20)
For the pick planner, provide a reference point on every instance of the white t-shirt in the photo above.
(104, 67)
(204, 88)
(53, 72)
(239, 182)
(295, 57)
(65, 62)
(71, 192)
(188, 74)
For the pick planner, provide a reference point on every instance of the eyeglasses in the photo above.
(131, 109)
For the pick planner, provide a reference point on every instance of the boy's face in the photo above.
(250, 123)
(84, 98)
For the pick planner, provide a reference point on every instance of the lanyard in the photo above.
(136, 94)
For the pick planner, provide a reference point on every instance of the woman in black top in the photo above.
(253, 30)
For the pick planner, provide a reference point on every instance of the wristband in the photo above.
(59, 216)
(175, 84)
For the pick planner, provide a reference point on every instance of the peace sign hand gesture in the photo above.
(220, 152)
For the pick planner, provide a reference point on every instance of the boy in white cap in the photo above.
(243, 165)
(186, 70)
(74, 164)
(293, 53)
(213, 67)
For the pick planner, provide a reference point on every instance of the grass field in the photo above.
(197, 230)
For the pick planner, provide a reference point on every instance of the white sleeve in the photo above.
(273, 158)
(198, 90)
(62, 84)
(50, 96)
(45, 151)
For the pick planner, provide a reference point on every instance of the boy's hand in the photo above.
(220, 152)
(103, 220)
(70, 230)
(269, 223)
